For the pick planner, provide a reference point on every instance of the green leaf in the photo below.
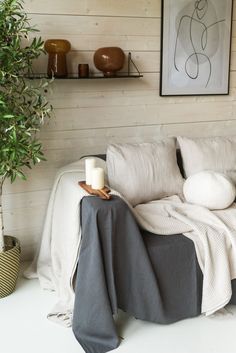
(12, 176)
(8, 116)
(20, 175)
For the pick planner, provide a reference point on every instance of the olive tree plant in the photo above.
(23, 105)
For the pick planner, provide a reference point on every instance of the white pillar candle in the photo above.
(89, 166)
(98, 178)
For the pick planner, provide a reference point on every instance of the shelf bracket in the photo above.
(130, 61)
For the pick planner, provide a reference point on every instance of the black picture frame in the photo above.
(195, 47)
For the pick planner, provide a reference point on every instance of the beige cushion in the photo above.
(144, 172)
(212, 153)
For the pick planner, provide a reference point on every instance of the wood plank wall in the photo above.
(90, 114)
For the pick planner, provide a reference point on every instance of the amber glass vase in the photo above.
(57, 50)
(109, 60)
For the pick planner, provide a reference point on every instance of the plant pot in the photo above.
(109, 60)
(9, 266)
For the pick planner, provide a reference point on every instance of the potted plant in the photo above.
(23, 108)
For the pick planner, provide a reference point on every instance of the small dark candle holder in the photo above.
(83, 70)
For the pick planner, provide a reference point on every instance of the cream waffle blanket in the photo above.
(214, 237)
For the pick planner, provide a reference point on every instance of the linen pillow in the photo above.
(212, 153)
(144, 172)
(209, 189)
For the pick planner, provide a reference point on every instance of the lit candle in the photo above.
(98, 178)
(89, 166)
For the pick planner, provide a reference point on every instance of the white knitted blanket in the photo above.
(56, 260)
(214, 237)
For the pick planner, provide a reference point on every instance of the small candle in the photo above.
(98, 178)
(89, 166)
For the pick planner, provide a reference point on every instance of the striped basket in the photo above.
(9, 266)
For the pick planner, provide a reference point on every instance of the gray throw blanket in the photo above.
(118, 269)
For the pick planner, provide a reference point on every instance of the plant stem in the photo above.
(2, 245)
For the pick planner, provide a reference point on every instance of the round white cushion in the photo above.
(209, 189)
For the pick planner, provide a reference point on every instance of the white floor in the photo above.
(25, 329)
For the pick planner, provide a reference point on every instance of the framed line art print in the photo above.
(195, 47)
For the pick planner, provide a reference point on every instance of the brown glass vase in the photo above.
(57, 50)
(109, 60)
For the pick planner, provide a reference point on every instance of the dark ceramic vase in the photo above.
(57, 50)
(109, 60)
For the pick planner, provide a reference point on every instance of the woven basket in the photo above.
(9, 266)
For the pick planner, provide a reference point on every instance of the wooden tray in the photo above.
(103, 193)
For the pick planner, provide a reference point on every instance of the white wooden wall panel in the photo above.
(81, 100)
(95, 25)
(88, 42)
(31, 199)
(138, 8)
(90, 114)
(137, 114)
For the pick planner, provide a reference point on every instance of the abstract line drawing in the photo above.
(199, 12)
(196, 38)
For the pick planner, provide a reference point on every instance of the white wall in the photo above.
(89, 114)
